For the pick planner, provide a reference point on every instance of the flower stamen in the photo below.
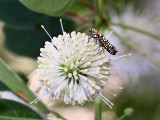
(110, 92)
(115, 85)
(129, 54)
(105, 102)
(46, 31)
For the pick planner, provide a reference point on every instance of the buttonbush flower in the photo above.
(73, 70)
(136, 65)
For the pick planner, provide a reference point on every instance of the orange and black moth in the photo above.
(103, 41)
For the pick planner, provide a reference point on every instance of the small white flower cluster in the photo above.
(136, 65)
(73, 70)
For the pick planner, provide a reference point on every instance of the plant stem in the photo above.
(98, 108)
(122, 117)
(78, 17)
(88, 5)
(100, 6)
(129, 44)
(137, 30)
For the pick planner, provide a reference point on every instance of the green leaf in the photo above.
(23, 34)
(3, 87)
(49, 7)
(80, 8)
(12, 110)
(16, 118)
(16, 84)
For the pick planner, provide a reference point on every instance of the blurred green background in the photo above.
(21, 38)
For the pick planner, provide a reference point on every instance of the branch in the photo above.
(88, 5)
(78, 17)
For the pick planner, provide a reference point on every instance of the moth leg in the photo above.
(89, 37)
(100, 45)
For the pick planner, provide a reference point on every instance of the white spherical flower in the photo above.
(136, 65)
(73, 70)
